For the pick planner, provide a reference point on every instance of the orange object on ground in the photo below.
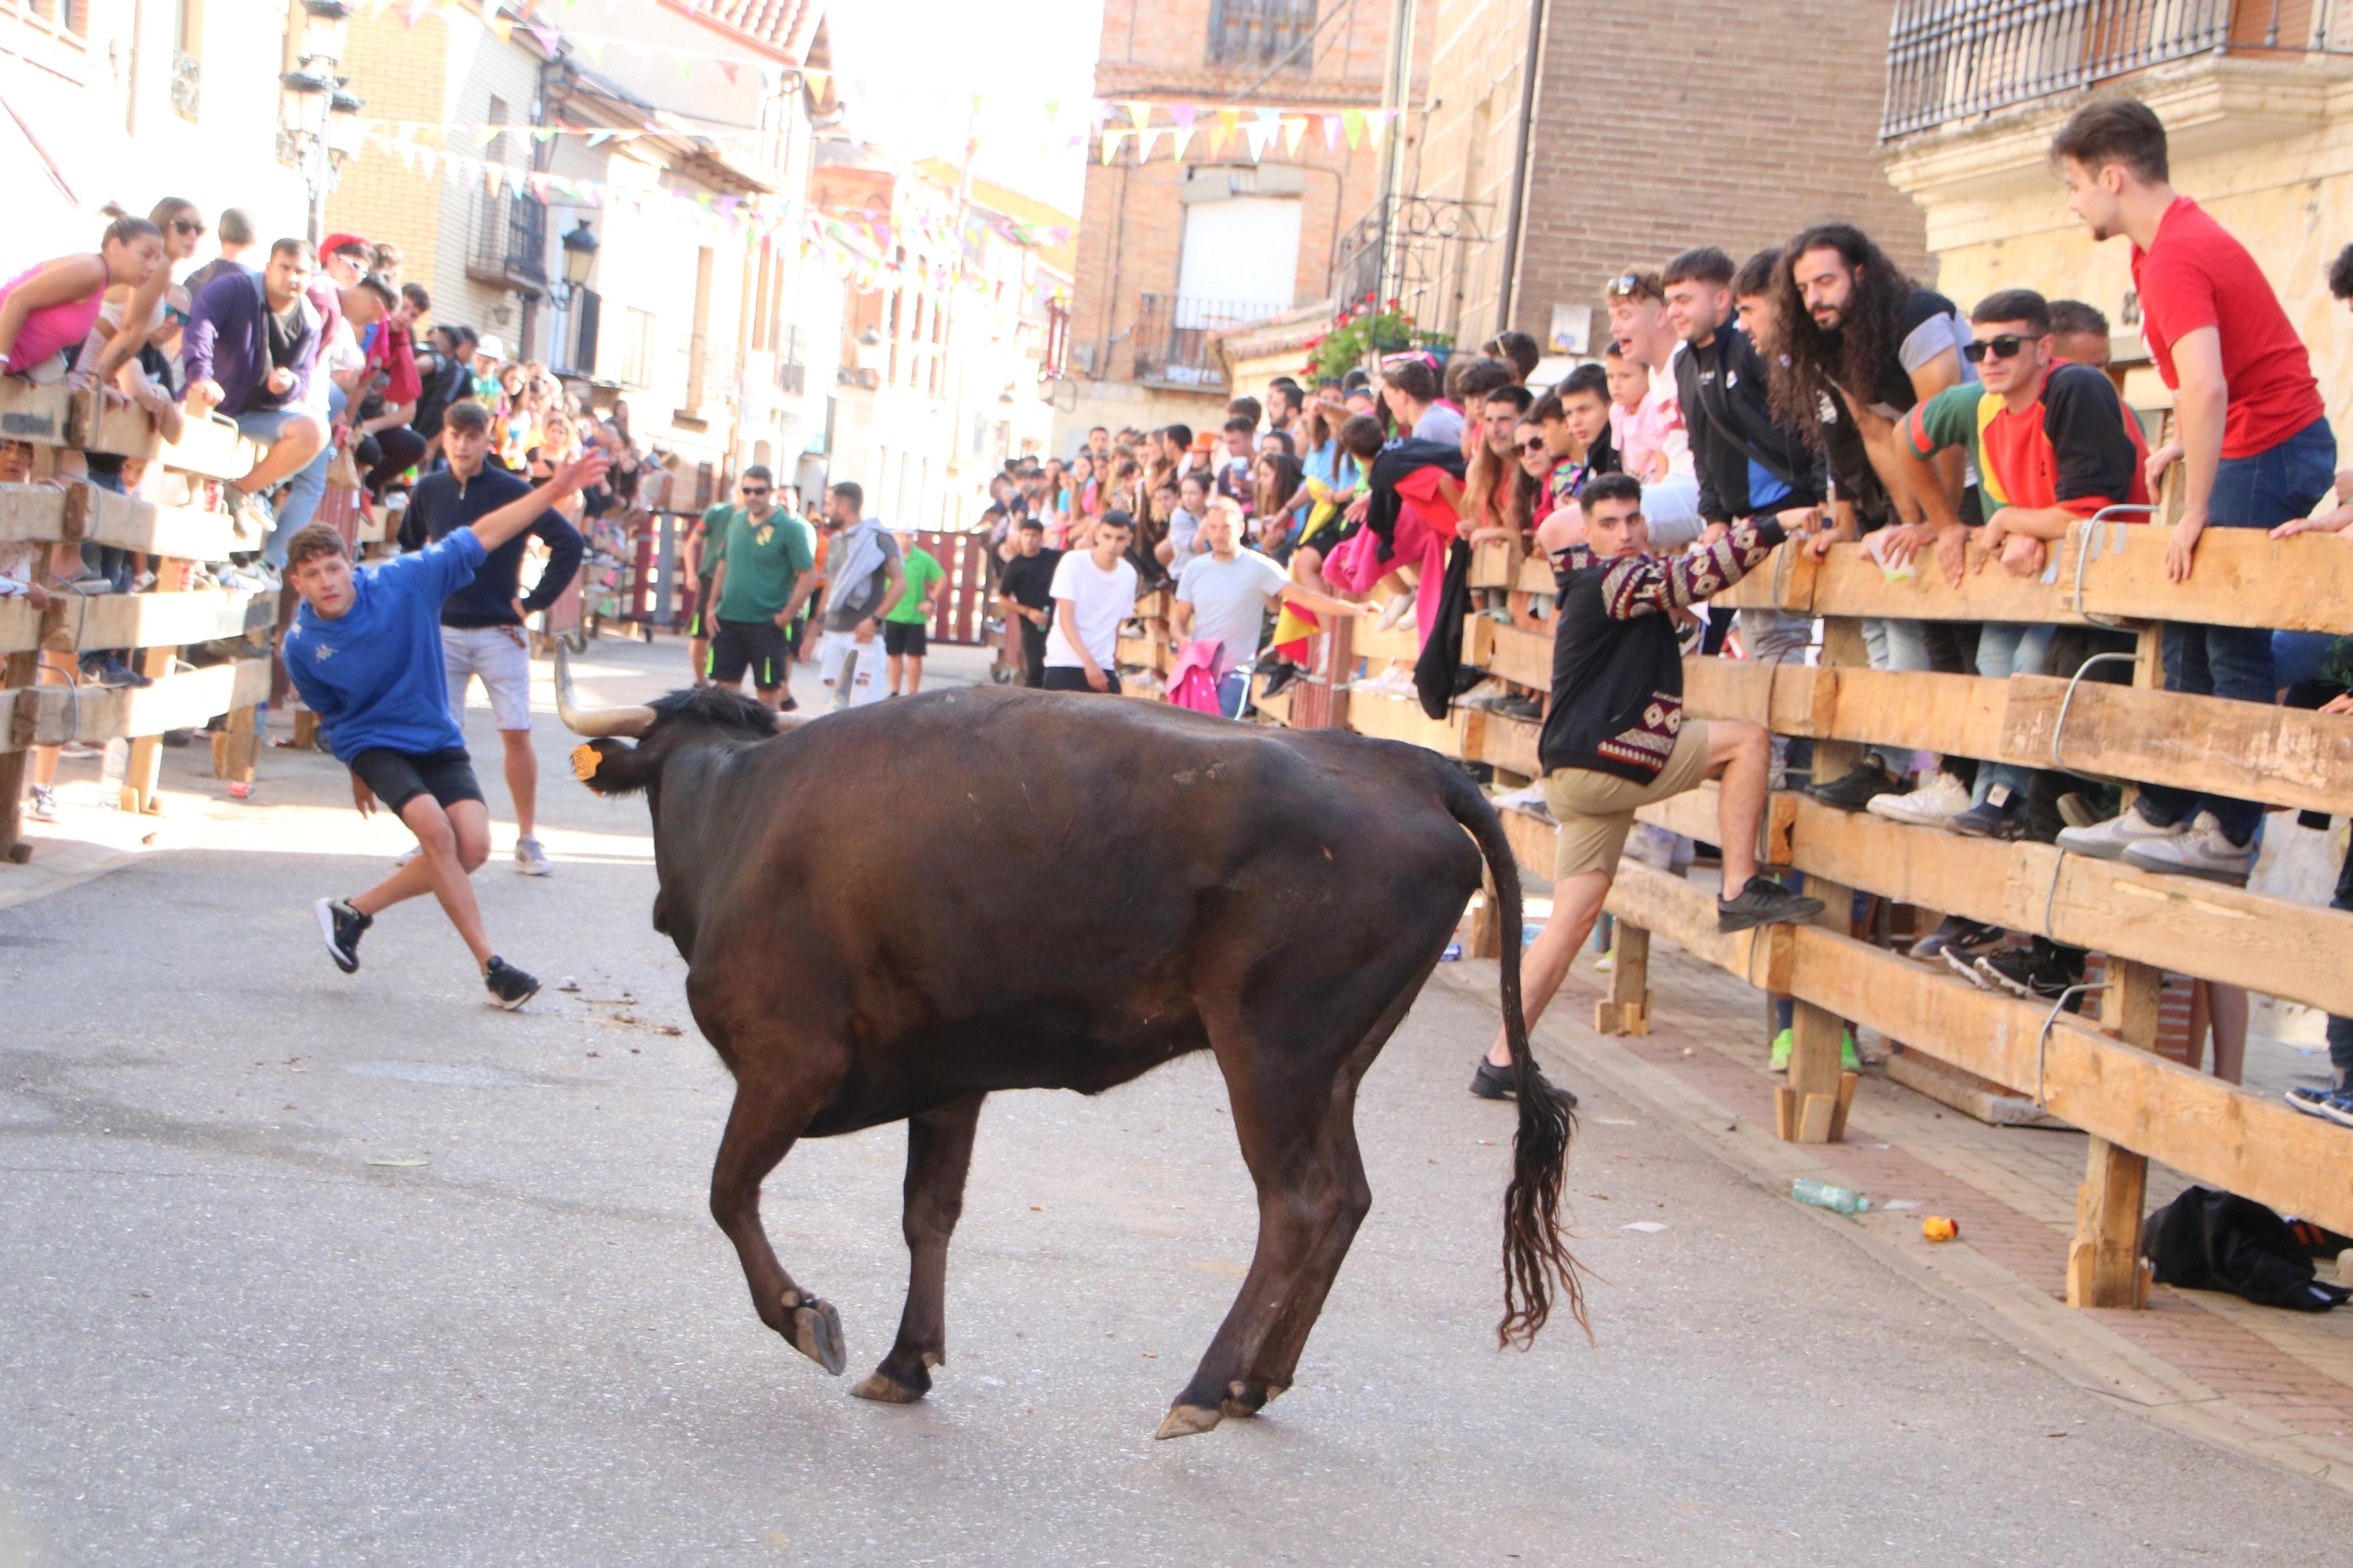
(1936, 1227)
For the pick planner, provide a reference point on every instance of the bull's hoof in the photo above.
(815, 1330)
(1248, 1398)
(1187, 1421)
(884, 1389)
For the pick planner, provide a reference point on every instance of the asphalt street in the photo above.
(302, 1268)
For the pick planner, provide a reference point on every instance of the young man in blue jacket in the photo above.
(366, 654)
(482, 624)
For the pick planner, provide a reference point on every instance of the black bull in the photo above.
(890, 913)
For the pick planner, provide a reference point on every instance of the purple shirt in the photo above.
(227, 341)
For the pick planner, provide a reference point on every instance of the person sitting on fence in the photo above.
(2053, 444)
(2253, 441)
(365, 654)
(47, 309)
(906, 625)
(1617, 737)
(251, 345)
(1223, 596)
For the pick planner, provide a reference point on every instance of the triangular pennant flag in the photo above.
(1229, 121)
(503, 27)
(548, 37)
(486, 134)
(1145, 140)
(426, 159)
(538, 183)
(1293, 130)
(1268, 116)
(1053, 111)
(1184, 136)
(1375, 124)
(1111, 144)
(1182, 113)
(1331, 134)
(816, 81)
(1352, 121)
(1257, 134)
(598, 138)
(685, 64)
(1137, 113)
(728, 67)
(1219, 136)
(492, 173)
(542, 133)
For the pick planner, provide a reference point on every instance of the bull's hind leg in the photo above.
(768, 1116)
(1296, 1114)
(939, 1155)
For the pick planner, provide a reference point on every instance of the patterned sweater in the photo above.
(1617, 668)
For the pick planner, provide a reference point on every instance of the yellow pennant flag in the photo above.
(1293, 130)
(486, 134)
(816, 81)
(1184, 137)
(1219, 136)
(491, 175)
(1375, 124)
(1137, 113)
(1229, 121)
(503, 27)
(1111, 144)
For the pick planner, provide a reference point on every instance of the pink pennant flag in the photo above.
(728, 67)
(1182, 113)
(1331, 134)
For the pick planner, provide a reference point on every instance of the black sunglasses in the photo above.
(755, 490)
(1533, 444)
(2005, 346)
(187, 227)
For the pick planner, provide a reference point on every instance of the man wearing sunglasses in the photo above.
(2052, 444)
(767, 569)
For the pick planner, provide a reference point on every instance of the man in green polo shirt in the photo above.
(905, 634)
(767, 569)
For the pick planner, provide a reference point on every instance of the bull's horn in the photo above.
(633, 720)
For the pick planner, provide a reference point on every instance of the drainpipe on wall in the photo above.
(1531, 70)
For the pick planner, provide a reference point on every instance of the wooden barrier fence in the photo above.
(158, 624)
(2097, 1071)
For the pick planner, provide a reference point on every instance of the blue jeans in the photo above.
(1901, 646)
(2296, 656)
(308, 487)
(2006, 649)
(2272, 486)
(1233, 691)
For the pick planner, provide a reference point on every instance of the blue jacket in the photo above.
(227, 341)
(441, 504)
(374, 674)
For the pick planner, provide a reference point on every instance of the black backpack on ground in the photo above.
(2206, 1240)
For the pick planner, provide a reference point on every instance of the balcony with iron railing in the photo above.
(510, 241)
(1171, 338)
(1950, 60)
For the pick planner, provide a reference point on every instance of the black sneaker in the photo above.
(1974, 939)
(1280, 676)
(343, 926)
(1526, 707)
(1764, 903)
(1859, 788)
(1491, 1082)
(1996, 817)
(2031, 975)
(510, 987)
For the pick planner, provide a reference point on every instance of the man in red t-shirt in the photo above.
(2253, 440)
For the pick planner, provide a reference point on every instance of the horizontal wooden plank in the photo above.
(2218, 1133)
(85, 512)
(1522, 658)
(166, 620)
(180, 702)
(1366, 642)
(1495, 563)
(1502, 742)
(39, 415)
(20, 627)
(1276, 707)
(1401, 719)
(211, 448)
(1145, 653)
(2242, 577)
(2297, 952)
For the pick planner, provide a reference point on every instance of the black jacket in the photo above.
(1723, 392)
(441, 504)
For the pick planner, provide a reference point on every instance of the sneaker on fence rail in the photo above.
(1956, 933)
(509, 987)
(1999, 815)
(1935, 802)
(2108, 840)
(343, 926)
(1764, 902)
(531, 858)
(2077, 809)
(1280, 676)
(1522, 707)
(1398, 609)
(1858, 789)
(2202, 850)
(1491, 1082)
(2033, 973)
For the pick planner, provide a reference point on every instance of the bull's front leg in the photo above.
(769, 1113)
(939, 1156)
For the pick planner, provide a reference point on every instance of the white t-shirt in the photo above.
(1228, 600)
(1098, 600)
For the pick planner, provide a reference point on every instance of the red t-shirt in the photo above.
(393, 353)
(2197, 276)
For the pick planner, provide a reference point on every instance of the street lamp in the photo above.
(345, 129)
(325, 24)
(322, 128)
(579, 255)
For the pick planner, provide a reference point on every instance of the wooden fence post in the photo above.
(1628, 1010)
(2104, 1265)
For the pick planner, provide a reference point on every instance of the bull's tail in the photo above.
(1536, 1259)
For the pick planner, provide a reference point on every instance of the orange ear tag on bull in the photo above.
(585, 760)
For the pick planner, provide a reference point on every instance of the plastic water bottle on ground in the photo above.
(1823, 1195)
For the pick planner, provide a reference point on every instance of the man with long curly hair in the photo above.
(1855, 330)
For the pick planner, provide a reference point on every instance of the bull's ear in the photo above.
(611, 766)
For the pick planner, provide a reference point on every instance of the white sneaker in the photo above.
(1400, 607)
(2202, 849)
(1938, 798)
(411, 853)
(531, 860)
(44, 806)
(2109, 840)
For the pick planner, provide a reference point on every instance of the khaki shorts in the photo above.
(1596, 810)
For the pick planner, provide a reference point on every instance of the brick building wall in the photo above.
(1132, 225)
(1658, 126)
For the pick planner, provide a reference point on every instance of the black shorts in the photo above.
(700, 623)
(1071, 677)
(1033, 655)
(399, 777)
(755, 646)
(907, 637)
